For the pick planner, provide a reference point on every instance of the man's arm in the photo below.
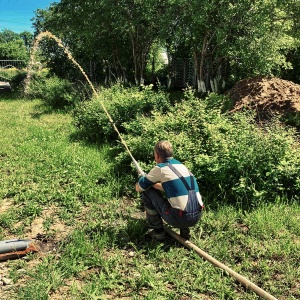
(157, 186)
(137, 188)
(152, 179)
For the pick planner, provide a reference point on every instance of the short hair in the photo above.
(163, 149)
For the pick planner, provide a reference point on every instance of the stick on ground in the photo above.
(244, 281)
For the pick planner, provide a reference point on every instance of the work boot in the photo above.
(185, 233)
(158, 234)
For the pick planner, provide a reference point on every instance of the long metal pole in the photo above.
(244, 281)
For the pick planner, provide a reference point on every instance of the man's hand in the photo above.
(137, 187)
(141, 174)
(158, 186)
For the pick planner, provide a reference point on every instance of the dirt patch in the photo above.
(63, 292)
(45, 240)
(57, 227)
(38, 229)
(267, 96)
(6, 204)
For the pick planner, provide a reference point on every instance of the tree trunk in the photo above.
(201, 71)
(169, 69)
(134, 56)
(122, 69)
(153, 70)
(196, 70)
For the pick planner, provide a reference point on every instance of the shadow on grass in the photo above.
(44, 109)
(131, 236)
(137, 232)
(10, 95)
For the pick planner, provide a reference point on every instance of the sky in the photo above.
(16, 14)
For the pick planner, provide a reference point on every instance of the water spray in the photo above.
(68, 53)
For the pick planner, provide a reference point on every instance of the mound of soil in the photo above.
(267, 96)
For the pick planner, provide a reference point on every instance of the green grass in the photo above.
(105, 252)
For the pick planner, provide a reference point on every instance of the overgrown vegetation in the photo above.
(235, 160)
(123, 104)
(224, 41)
(14, 46)
(100, 249)
(57, 93)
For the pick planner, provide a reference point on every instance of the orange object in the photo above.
(17, 254)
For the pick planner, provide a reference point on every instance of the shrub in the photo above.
(55, 92)
(292, 119)
(234, 160)
(18, 79)
(123, 105)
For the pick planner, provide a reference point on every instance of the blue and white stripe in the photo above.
(175, 190)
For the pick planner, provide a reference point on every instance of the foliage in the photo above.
(235, 160)
(264, 30)
(14, 50)
(17, 80)
(7, 35)
(227, 40)
(292, 119)
(55, 92)
(293, 57)
(15, 46)
(123, 105)
(27, 38)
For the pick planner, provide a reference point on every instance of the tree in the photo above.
(27, 38)
(248, 37)
(141, 25)
(12, 46)
(110, 31)
(7, 35)
(96, 40)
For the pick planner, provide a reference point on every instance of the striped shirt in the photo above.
(175, 190)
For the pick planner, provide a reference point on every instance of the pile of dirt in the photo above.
(267, 96)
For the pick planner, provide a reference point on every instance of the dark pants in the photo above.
(157, 208)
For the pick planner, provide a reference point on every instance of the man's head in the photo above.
(163, 150)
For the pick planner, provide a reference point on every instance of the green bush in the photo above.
(34, 84)
(54, 91)
(18, 79)
(292, 119)
(234, 160)
(122, 104)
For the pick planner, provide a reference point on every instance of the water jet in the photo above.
(47, 34)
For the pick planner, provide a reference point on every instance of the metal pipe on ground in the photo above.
(244, 281)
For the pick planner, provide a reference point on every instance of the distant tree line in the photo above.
(14, 46)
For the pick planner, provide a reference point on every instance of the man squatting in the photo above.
(179, 207)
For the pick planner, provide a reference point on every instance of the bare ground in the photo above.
(266, 95)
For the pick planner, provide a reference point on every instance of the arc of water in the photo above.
(68, 53)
